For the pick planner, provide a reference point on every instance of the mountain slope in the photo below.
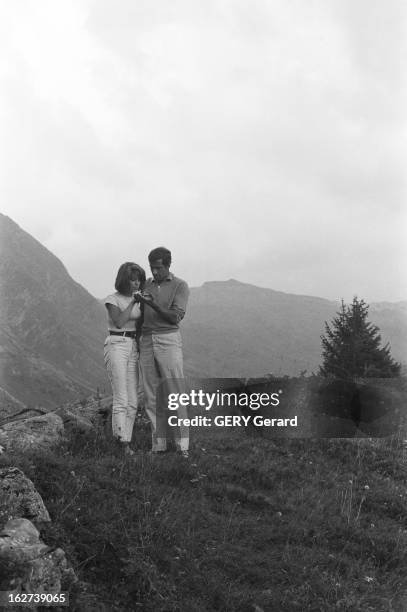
(236, 329)
(51, 328)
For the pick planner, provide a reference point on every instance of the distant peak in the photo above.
(231, 281)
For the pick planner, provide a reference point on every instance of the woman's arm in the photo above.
(120, 317)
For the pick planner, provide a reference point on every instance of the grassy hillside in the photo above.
(248, 524)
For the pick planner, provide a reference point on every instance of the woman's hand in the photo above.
(147, 298)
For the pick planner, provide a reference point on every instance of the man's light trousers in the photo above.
(162, 364)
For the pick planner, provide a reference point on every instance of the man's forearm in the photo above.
(171, 316)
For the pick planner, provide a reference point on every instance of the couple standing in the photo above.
(144, 348)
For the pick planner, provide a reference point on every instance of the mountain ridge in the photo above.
(233, 281)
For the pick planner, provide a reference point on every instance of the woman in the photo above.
(121, 350)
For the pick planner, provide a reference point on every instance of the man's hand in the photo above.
(147, 298)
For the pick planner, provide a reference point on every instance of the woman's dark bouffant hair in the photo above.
(127, 272)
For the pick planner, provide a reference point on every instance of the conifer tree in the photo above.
(351, 346)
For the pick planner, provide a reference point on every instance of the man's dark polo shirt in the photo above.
(171, 293)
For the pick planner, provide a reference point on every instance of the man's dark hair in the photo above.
(127, 272)
(160, 253)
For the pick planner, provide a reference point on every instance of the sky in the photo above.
(260, 140)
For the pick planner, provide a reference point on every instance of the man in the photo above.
(165, 300)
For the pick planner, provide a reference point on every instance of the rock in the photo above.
(19, 498)
(19, 542)
(75, 421)
(36, 432)
(28, 565)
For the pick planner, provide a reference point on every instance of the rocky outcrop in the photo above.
(19, 498)
(27, 565)
(34, 433)
(72, 420)
(85, 415)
